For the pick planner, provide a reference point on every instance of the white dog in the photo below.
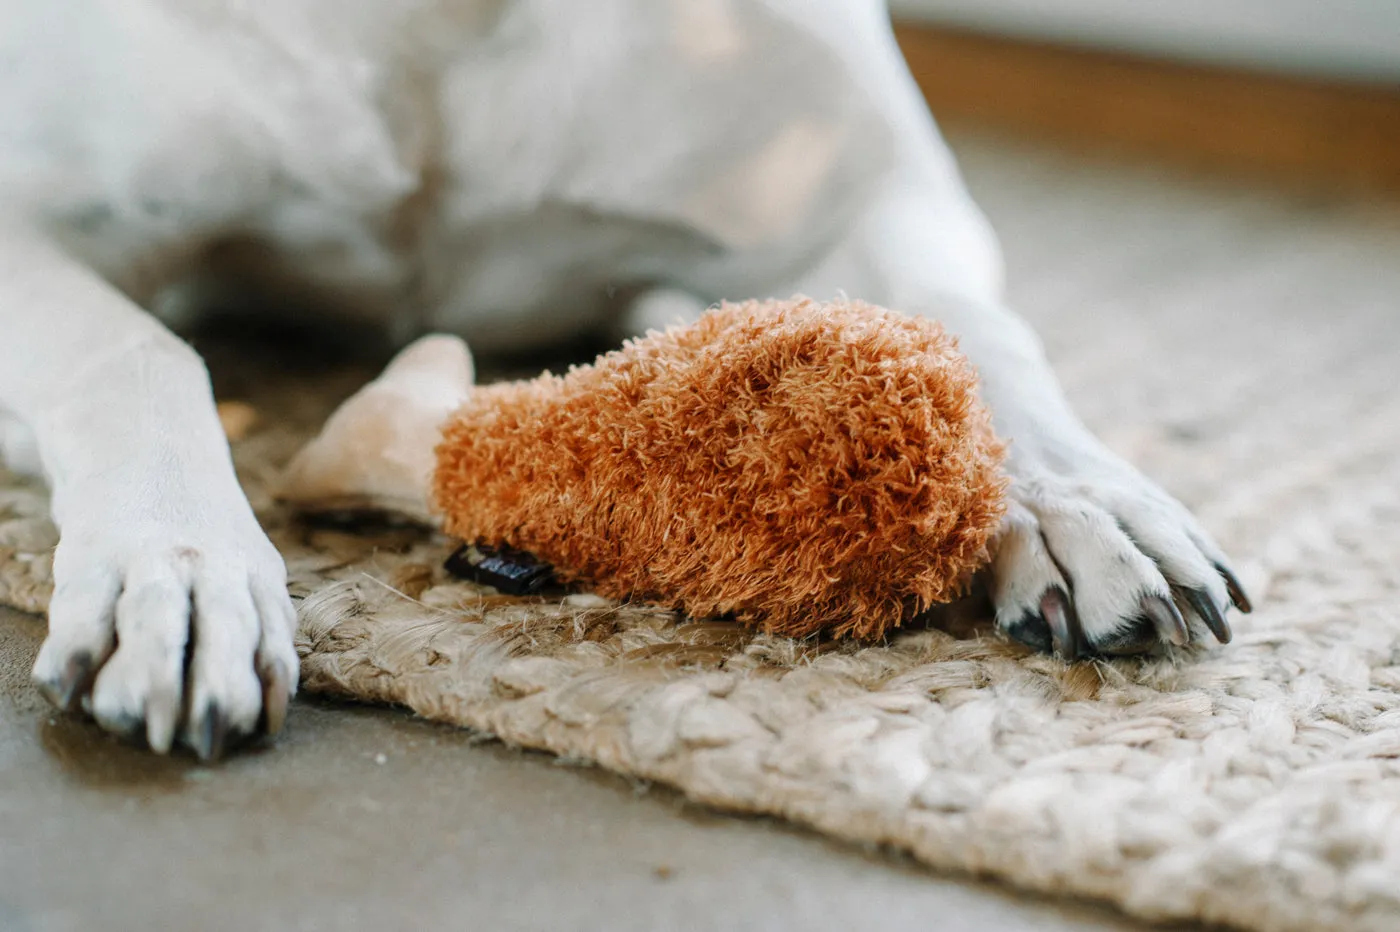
(505, 169)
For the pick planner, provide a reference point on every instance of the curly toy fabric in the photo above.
(797, 465)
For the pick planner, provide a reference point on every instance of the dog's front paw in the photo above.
(1104, 562)
(171, 629)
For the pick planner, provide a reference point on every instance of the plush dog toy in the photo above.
(795, 465)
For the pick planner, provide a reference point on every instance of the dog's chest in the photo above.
(472, 158)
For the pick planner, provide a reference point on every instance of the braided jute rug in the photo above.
(1255, 785)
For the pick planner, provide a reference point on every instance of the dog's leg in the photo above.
(1093, 556)
(170, 616)
(19, 452)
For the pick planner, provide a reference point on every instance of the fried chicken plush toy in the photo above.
(798, 466)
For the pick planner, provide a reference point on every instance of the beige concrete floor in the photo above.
(368, 818)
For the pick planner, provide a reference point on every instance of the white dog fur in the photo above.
(507, 170)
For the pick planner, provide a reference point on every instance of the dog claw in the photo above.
(1166, 618)
(1237, 594)
(213, 730)
(1049, 630)
(162, 717)
(1055, 609)
(1032, 631)
(1210, 614)
(72, 684)
(277, 695)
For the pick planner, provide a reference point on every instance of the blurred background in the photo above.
(1330, 38)
(1300, 91)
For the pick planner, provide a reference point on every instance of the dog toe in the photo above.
(172, 641)
(81, 636)
(1110, 567)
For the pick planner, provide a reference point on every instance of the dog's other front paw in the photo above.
(168, 630)
(1104, 562)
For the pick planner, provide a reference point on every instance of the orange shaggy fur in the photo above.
(800, 466)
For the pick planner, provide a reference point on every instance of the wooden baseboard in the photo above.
(1293, 130)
